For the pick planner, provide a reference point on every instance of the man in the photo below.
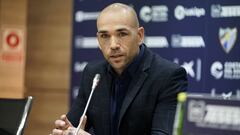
(137, 91)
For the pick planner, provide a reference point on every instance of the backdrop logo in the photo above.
(193, 68)
(228, 70)
(227, 37)
(75, 92)
(81, 16)
(85, 42)
(225, 95)
(179, 41)
(79, 66)
(156, 41)
(216, 70)
(157, 13)
(181, 12)
(218, 11)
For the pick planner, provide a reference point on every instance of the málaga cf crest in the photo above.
(227, 37)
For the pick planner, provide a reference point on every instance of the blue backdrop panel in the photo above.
(200, 35)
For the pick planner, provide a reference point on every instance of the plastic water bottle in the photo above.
(178, 122)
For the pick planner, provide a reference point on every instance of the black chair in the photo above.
(13, 115)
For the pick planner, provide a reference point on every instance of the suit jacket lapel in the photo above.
(136, 83)
(135, 87)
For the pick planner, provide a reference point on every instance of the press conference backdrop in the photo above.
(200, 35)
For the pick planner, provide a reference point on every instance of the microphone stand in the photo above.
(94, 85)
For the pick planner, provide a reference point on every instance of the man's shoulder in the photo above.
(159, 62)
(163, 66)
(162, 69)
(165, 63)
(96, 65)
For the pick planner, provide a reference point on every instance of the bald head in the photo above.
(119, 35)
(119, 10)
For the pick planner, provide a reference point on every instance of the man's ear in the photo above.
(140, 35)
(98, 42)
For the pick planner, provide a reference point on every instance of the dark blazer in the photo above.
(149, 105)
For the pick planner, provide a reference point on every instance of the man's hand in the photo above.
(61, 125)
(82, 127)
(64, 127)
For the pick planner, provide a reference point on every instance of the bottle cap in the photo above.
(182, 97)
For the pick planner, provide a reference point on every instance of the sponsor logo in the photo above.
(227, 37)
(217, 70)
(179, 41)
(79, 66)
(225, 95)
(228, 70)
(218, 11)
(157, 13)
(156, 41)
(85, 42)
(81, 16)
(75, 92)
(214, 116)
(238, 93)
(193, 68)
(181, 12)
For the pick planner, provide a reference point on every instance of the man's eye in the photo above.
(104, 36)
(122, 34)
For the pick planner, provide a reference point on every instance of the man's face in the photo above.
(119, 39)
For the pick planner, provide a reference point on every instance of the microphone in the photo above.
(95, 81)
(94, 85)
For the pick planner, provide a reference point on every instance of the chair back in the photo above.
(13, 115)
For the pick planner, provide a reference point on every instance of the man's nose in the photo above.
(114, 44)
